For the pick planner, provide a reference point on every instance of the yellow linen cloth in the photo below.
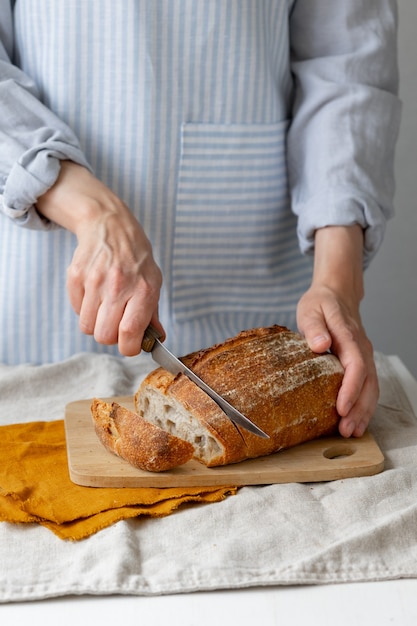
(35, 487)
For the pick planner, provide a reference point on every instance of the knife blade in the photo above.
(170, 362)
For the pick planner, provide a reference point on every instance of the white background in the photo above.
(389, 309)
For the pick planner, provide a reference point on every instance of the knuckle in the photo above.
(95, 278)
(74, 274)
(129, 338)
(129, 327)
(86, 327)
(105, 336)
(115, 284)
(147, 292)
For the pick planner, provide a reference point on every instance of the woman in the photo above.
(204, 143)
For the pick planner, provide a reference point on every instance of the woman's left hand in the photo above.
(327, 322)
(329, 318)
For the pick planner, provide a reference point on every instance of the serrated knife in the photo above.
(168, 361)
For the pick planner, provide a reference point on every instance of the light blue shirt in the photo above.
(233, 129)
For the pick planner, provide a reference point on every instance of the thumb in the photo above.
(316, 334)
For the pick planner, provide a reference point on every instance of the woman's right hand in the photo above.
(113, 280)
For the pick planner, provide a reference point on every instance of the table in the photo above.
(370, 603)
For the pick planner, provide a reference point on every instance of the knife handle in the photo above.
(149, 337)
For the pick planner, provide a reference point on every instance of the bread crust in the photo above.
(137, 441)
(271, 376)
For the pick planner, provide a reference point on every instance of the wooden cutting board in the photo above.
(332, 458)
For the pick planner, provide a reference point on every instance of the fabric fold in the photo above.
(35, 487)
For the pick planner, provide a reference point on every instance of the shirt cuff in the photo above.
(30, 178)
(342, 209)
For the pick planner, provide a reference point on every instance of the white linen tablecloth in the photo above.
(358, 529)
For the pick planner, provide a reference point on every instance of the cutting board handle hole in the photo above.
(339, 451)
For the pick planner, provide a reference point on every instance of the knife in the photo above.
(168, 361)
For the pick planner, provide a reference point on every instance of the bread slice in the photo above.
(269, 374)
(136, 440)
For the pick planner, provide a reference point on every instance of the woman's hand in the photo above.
(328, 316)
(113, 281)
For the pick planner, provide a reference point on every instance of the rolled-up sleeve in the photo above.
(346, 116)
(33, 140)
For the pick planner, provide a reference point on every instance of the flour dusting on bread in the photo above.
(269, 374)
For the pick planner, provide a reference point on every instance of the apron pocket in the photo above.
(235, 244)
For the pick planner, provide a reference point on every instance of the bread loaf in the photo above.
(269, 374)
(137, 441)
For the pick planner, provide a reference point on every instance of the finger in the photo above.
(353, 382)
(97, 294)
(318, 339)
(135, 320)
(358, 396)
(109, 316)
(158, 326)
(357, 419)
(75, 288)
(88, 312)
(315, 332)
(76, 296)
